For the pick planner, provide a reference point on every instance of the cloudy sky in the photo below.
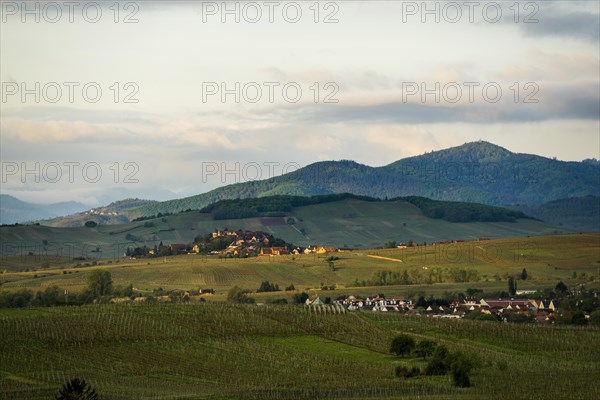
(163, 100)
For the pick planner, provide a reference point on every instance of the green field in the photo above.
(347, 223)
(547, 259)
(220, 351)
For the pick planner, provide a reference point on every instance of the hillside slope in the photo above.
(350, 222)
(577, 212)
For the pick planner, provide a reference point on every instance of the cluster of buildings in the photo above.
(96, 212)
(314, 249)
(538, 309)
(243, 242)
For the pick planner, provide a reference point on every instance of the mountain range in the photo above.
(13, 210)
(478, 172)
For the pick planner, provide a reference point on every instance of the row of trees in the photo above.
(99, 287)
(415, 277)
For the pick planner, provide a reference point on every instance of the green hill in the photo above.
(343, 221)
(478, 172)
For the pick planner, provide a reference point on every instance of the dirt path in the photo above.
(384, 258)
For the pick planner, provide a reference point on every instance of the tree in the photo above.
(595, 318)
(561, 287)
(578, 318)
(512, 286)
(402, 344)
(76, 389)
(90, 224)
(390, 245)
(424, 348)
(460, 367)
(331, 265)
(524, 274)
(238, 295)
(266, 286)
(290, 288)
(300, 298)
(100, 283)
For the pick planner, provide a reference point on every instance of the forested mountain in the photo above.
(579, 212)
(478, 172)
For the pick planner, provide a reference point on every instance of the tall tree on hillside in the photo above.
(524, 274)
(100, 283)
(512, 286)
(402, 344)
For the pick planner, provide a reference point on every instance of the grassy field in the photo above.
(547, 259)
(220, 351)
(347, 223)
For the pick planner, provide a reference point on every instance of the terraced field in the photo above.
(220, 351)
(548, 259)
(347, 223)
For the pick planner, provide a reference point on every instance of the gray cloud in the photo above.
(577, 20)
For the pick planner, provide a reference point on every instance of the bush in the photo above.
(438, 364)
(402, 344)
(486, 317)
(460, 367)
(238, 295)
(77, 389)
(300, 298)
(403, 371)
(90, 224)
(578, 318)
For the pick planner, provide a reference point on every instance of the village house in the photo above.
(273, 251)
(314, 301)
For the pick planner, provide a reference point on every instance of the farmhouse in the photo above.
(314, 301)
(273, 251)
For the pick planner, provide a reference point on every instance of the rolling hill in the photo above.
(580, 212)
(346, 221)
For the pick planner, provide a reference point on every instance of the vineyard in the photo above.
(221, 351)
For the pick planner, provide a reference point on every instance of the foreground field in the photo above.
(220, 351)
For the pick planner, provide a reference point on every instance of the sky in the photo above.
(162, 100)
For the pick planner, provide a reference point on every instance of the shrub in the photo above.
(238, 295)
(403, 371)
(77, 389)
(300, 298)
(438, 364)
(460, 367)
